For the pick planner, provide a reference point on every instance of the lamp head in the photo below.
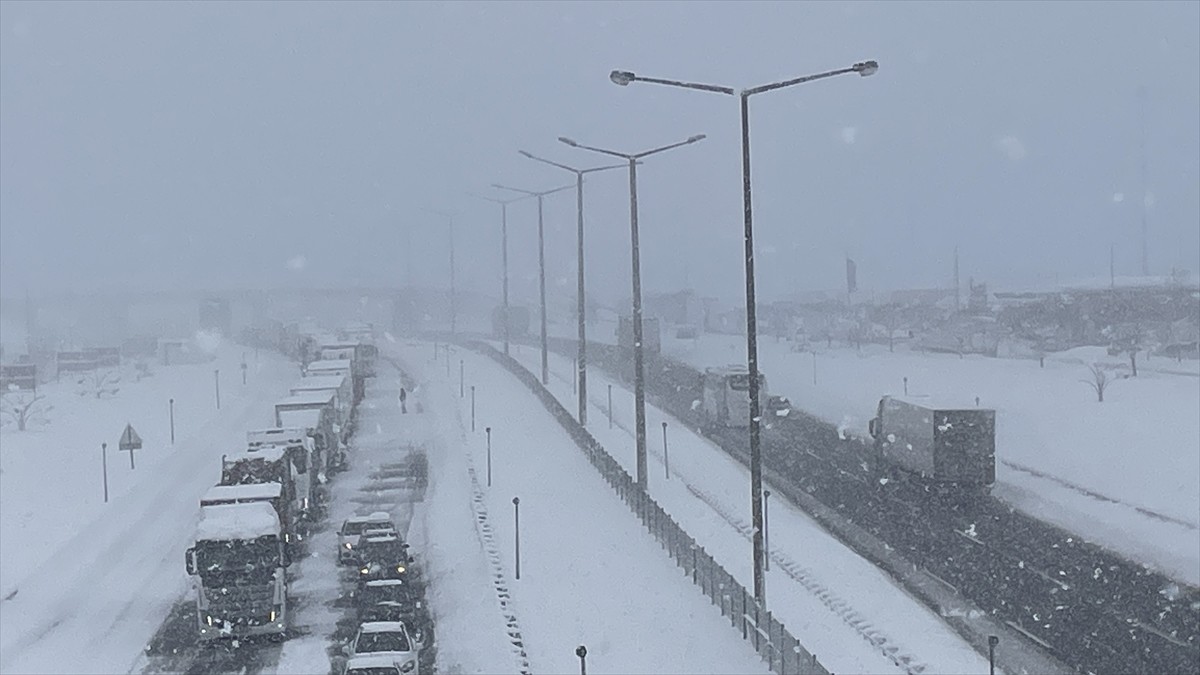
(697, 137)
(622, 77)
(564, 139)
(866, 68)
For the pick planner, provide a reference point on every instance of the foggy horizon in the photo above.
(202, 146)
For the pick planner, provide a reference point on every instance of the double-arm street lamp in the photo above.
(503, 254)
(623, 78)
(541, 267)
(453, 309)
(581, 358)
(639, 387)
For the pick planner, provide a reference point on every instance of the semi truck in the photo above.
(952, 445)
(725, 398)
(238, 565)
(300, 449)
(651, 339)
(264, 466)
(345, 367)
(343, 397)
(318, 424)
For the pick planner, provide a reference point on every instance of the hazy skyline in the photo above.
(205, 145)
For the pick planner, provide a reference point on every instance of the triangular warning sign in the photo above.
(130, 439)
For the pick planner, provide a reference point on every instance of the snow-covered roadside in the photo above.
(93, 604)
(590, 574)
(842, 608)
(51, 483)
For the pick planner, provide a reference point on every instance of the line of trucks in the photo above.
(948, 445)
(255, 519)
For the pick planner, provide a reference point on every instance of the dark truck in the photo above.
(953, 446)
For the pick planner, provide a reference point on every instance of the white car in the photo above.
(387, 641)
(352, 530)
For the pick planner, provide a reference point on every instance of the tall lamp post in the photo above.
(581, 316)
(639, 389)
(453, 308)
(623, 78)
(541, 267)
(503, 254)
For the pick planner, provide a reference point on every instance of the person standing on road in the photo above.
(403, 401)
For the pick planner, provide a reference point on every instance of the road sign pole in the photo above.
(666, 457)
(217, 382)
(131, 466)
(489, 456)
(472, 407)
(171, 402)
(460, 378)
(610, 406)
(104, 463)
(517, 532)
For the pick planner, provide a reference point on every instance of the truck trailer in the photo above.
(946, 444)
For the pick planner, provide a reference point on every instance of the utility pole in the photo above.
(1145, 194)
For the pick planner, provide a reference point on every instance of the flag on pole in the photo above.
(851, 276)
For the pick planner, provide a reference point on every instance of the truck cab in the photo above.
(725, 400)
(238, 564)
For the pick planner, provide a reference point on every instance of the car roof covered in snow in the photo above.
(305, 419)
(381, 538)
(318, 382)
(383, 627)
(227, 522)
(267, 453)
(307, 398)
(247, 491)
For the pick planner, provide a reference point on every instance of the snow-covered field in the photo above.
(85, 583)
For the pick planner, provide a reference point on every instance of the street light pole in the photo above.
(580, 298)
(623, 78)
(453, 309)
(541, 269)
(639, 390)
(503, 255)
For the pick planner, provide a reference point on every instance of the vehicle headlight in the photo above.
(364, 570)
(399, 568)
(408, 666)
(348, 546)
(210, 619)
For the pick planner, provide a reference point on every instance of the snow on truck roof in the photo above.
(374, 517)
(382, 627)
(306, 419)
(317, 382)
(937, 403)
(306, 398)
(227, 522)
(269, 453)
(247, 492)
(282, 436)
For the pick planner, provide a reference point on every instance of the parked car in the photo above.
(352, 531)
(396, 600)
(383, 557)
(388, 641)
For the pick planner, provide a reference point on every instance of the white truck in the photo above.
(314, 412)
(300, 449)
(343, 397)
(725, 400)
(238, 564)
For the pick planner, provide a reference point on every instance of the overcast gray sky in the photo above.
(220, 145)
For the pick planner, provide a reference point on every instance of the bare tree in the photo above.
(99, 383)
(23, 408)
(1099, 381)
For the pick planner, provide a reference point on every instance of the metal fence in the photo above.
(782, 652)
